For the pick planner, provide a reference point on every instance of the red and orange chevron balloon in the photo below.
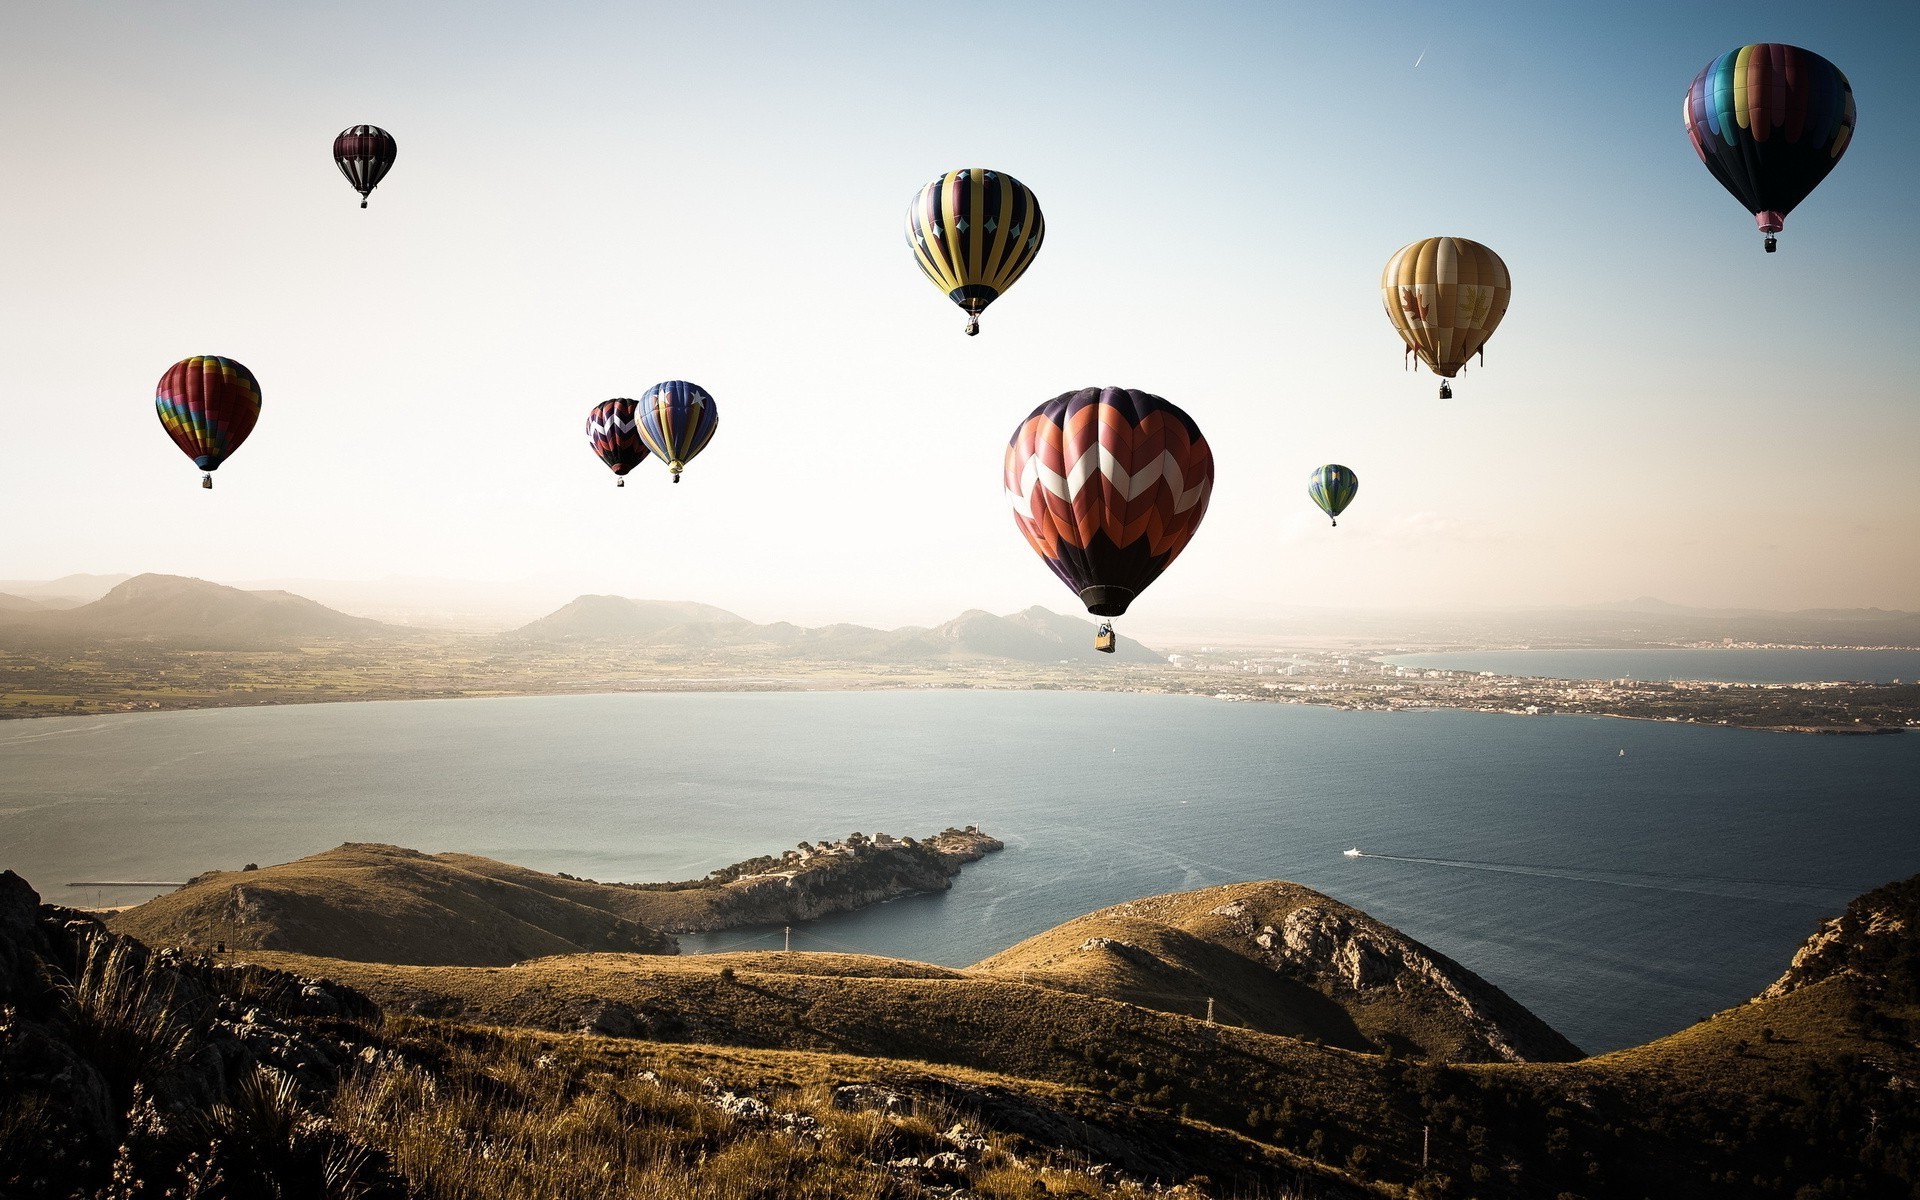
(1108, 485)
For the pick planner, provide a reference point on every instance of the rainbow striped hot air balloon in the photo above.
(1769, 121)
(677, 420)
(208, 406)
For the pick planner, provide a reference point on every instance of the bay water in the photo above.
(1621, 897)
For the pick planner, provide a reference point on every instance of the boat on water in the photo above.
(1353, 853)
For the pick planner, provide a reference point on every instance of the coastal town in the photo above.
(1350, 680)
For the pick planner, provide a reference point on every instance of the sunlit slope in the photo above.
(1286, 959)
(364, 900)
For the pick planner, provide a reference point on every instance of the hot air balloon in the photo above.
(1769, 121)
(973, 232)
(364, 154)
(1332, 487)
(1108, 485)
(614, 433)
(1446, 296)
(677, 420)
(208, 406)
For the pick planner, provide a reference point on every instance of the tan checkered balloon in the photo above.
(1446, 296)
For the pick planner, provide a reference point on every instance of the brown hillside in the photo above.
(383, 903)
(376, 903)
(1286, 959)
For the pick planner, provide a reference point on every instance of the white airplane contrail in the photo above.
(1423, 54)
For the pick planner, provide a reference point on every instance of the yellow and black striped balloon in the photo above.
(973, 232)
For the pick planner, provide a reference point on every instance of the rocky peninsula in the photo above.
(813, 880)
(368, 902)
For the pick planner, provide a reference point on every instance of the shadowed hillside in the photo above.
(190, 613)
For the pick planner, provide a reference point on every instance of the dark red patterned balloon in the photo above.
(364, 154)
(614, 433)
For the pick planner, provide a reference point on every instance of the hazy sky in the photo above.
(590, 198)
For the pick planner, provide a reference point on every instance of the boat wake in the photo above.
(1796, 890)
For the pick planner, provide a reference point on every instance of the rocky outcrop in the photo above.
(118, 1061)
(1342, 951)
(819, 880)
(1369, 967)
(1876, 940)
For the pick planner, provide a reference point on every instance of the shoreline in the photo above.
(713, 685)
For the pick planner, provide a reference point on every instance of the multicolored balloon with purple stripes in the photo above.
(208, 406)
(1770, 121)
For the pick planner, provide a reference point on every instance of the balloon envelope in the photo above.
(1108, 486)
(613, 430)
(974, 232)
(1445, 296)
(1769, 121)
(364, 154)
(208, 406)
(1333, 488)
(677, 420)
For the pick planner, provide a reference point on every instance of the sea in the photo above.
(1622, 879)
(1725, 665)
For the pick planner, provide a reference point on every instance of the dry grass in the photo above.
(547, 1119)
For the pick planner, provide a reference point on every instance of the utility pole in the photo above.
(1209, 1010)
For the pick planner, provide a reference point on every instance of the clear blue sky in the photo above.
(591, 198)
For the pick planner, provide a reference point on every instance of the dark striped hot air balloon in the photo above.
(1445, 297)
(1108, 486)
(208, 406)
(1769, 121)
(613, 430)
(677, 420)
(974, 232)
(364, 154)
(1333, 487)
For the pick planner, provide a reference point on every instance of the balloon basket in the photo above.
(1773, 243)
(206, 481)
(973, 326)
(1446, 390)
(619, 483)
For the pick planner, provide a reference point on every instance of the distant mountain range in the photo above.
(195, 614)
(1034, 635)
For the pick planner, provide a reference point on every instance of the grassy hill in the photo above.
(387, 904)
(1286, 959)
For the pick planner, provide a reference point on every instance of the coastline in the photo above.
(932, 681)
